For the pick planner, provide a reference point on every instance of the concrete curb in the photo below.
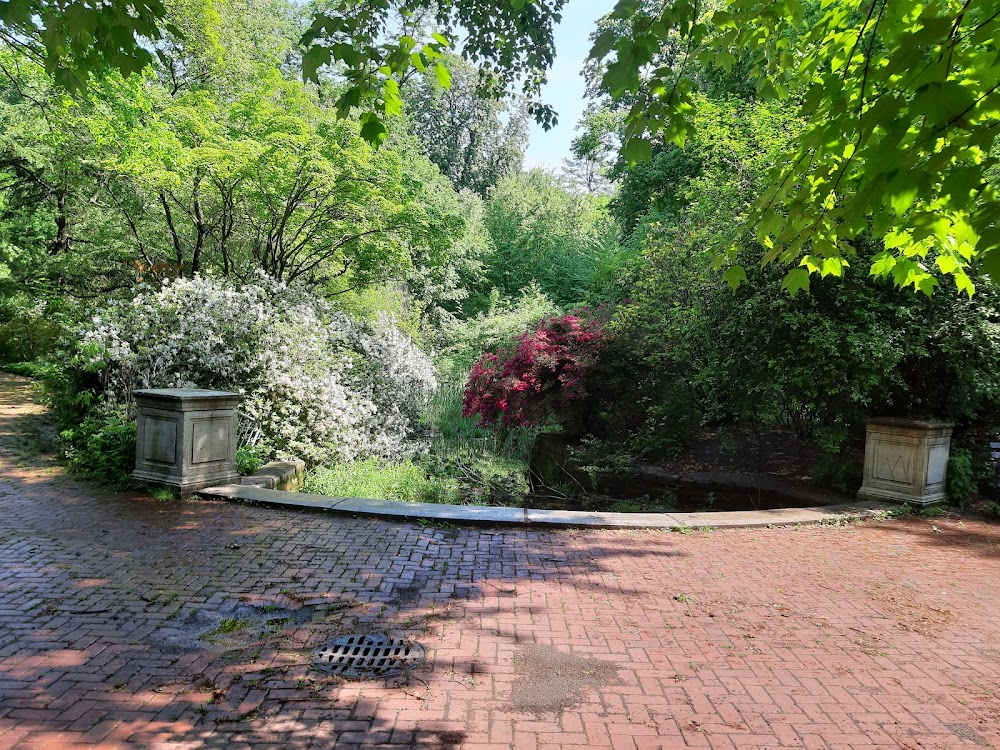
(500, 516)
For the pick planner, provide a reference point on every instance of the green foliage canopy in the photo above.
(545, 232)
(461, 130)
(686, 350)
(76, 38)
(377, 44)
(213, 160)
(901, 102)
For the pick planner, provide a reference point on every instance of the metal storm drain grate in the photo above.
(367, 656)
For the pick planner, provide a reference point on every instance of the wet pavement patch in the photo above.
(966, 732)
(364, 656)
(225, 630)
(547, 679)
(409, 595)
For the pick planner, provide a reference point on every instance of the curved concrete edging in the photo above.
(500, 516)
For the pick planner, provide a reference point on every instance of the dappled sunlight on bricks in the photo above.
(876, 635)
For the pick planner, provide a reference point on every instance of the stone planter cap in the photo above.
(918, 424)
(183, 394)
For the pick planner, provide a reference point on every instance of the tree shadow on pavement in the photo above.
(975, 535)
(88, 578)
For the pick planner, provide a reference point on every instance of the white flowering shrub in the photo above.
(317, 385)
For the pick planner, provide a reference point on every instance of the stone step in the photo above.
(287, 476)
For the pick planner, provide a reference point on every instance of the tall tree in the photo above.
(902, 101)
(210, 160)
(594, 151)
(268, 181)
(543, 231)
(52, 233)
(476, 140)
(902, 108)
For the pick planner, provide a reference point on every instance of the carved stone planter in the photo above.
(906, 461)
(185, 439)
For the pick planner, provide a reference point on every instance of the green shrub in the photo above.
(461, 343)
(68, 392)
(853, 347)
(102, 447)
(377, 480)
(961, 483)
(639, 398)
(98, 439)
(834, 470)
(545, 232)
(690, 349)
(249, 459)
(27, 369)
(29, 328)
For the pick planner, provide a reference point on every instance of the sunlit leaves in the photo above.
(902, 105)
(510, 40)
(735, 275)
(796, 280)
(373, 129)
(442, 75)
(364, 44)
(74, 38)
(313, 59)
(638, 149)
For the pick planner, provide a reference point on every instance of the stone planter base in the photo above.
(906, 461)
(185, 438)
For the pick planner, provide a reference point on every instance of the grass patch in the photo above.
(163, 494)
(490, 466)
(465, 464)
(382, 481)
(232, 624)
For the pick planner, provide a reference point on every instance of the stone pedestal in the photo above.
(906, 461)
(185, 439)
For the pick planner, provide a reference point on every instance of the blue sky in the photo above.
(565, 89)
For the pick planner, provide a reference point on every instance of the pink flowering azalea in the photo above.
(537, 378)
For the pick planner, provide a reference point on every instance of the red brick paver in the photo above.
(876, 635)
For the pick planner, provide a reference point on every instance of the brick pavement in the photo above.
(874, 635)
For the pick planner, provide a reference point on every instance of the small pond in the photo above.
(559, 485)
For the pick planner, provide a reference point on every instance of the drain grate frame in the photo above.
(364, 655)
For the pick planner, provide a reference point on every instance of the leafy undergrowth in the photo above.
(450, 480)
(27, 369)
(464, 464)
(382, 481)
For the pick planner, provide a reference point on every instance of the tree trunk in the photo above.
(60, 243)
(199, 226)
(178, 250)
